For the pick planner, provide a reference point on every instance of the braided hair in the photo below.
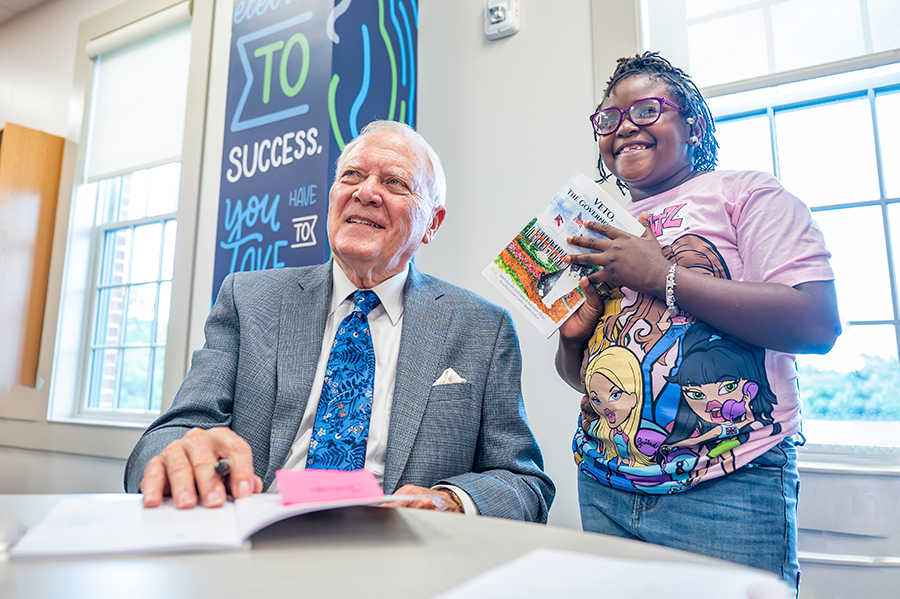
(685, 94)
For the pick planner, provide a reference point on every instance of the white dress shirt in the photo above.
(386, 325)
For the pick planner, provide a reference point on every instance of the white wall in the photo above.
(28, 471)
(37, 65)
(510, 121)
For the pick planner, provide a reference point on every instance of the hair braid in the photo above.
(685, 94)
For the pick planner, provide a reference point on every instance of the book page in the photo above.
(530, 270)
(114, 524)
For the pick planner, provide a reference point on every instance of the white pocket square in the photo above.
(447, 377)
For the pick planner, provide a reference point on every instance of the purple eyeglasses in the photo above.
(643, 112)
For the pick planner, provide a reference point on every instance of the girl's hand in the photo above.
(627, 260)
(574, 335)
(581, 325)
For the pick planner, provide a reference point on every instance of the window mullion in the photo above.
(137, 222)
(879, 163)
(866, 27)
(155, 342)
(117, 385)
(773, 137)
(154, 326)
(885, 217)
(126, 283)
(92, 317)
(770, 38)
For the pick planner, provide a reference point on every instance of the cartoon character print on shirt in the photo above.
(645, 454)
(615, 394)
(643, 324)
(725, 394)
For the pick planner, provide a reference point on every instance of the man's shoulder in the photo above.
(445, 291)
(275, 282)
(286, 275)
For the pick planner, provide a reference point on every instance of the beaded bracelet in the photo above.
(670, 291)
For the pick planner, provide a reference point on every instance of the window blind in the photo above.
(138, 103)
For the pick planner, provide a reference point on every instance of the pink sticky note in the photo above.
(315, 486)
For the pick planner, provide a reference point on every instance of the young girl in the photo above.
(735, 496)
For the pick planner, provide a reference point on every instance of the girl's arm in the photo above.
(799, 319)
(802, 319)
(574, 335)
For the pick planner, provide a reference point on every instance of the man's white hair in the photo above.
(437, 188)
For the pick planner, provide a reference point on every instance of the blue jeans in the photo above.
(748, 517)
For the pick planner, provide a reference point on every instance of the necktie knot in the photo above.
(365, 300)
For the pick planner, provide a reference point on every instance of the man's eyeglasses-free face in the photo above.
(643, 112)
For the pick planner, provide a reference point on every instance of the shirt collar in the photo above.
(390, 291)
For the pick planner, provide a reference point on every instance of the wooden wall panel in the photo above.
(30, 163)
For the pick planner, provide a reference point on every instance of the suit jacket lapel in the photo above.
(425, 324)
(304, 311)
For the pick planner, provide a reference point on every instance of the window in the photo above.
(133, 288)
(832, 141)
(736, 43)
(808, 92)
(116, 361)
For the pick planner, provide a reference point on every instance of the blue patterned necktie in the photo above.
(341, 432)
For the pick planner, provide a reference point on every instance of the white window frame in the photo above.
(67, 399)
(46, 417)
(92, 313)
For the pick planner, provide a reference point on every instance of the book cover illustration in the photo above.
(530, 270)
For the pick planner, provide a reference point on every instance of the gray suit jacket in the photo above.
(255, 373)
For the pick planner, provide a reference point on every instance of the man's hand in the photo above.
(186, 468)
(437, 499)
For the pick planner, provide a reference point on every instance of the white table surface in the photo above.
(355, 552)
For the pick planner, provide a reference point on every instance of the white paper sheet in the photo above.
(545, 573)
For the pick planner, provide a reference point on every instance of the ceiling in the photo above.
(10, 8)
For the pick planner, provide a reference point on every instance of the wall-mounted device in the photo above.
(501, 18)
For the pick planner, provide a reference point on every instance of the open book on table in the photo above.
(530, 270)
(110, 524)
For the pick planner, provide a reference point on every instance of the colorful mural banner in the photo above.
(304, 77)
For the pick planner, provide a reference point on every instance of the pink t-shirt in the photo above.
(671, 400)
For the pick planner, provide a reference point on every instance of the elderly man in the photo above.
(360, 362)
